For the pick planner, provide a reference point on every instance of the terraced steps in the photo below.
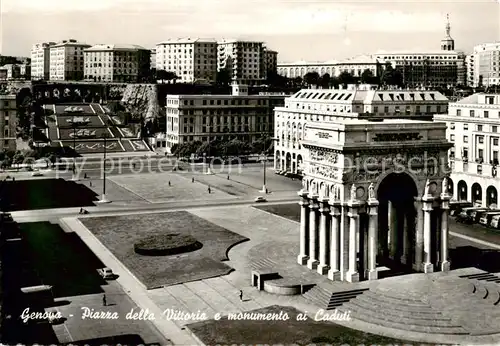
(482, 277)
(328, 300)
(263, 263)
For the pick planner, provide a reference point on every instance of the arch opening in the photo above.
(462, 191)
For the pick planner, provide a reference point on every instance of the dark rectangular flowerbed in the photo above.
(289, 211)
(120, 233)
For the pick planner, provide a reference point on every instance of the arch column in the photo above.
(323, 237)
(445, 207)
(372, 239)
(312, 262)
(352, 274)
(304, 224)
(335, 213)
(427, 208)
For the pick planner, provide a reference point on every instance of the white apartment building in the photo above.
(40, 60)
(116, 63)
(210, 117)
(67, 60)
(271, 60)
(244, 60)
(473, 126)
(470, 68)
(153, 58)
(442, 68)
(486, 58)
(190, 59)
(356, 102)
(8, 121)
(355, 66)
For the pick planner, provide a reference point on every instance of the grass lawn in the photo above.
(289, 332)
(61, 259)
(45, 194)
(290, 211)
(120, 233)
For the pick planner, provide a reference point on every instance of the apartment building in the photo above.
(67, 60)
(210, 117)
(486, 64)
(8, 121)
(244, 60)
(116, 63)
(153, 58)
(361, 102)
(473, 126)
(271, 60)
(40, 60)
(190, 59)
(470, 69)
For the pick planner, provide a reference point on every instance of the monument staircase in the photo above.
(486, 286)
(325, 299)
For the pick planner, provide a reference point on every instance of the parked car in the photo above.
(260, 199)
(485, 219)
(464, 218)
(106, 273)
(37, 174)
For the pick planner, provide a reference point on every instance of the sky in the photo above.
(311, 30)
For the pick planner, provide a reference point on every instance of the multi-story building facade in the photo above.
(190, 59)
(116, 63)
(67, 60)
(473, 126)
(486, 59)
(153, 58)
(354, 66)
(8, 120)
(355, 102)
(210, 117)
(10, 71)
(244, 60)
(470, 68)
(271, 60)
(40, 60)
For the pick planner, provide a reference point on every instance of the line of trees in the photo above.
(223, 148)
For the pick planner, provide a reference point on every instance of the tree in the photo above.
(311, 78)
(298, 82)
(334, 82)
(262, 145)
(171, 76)
(175, 149)
(325, 81)
(223, 78)
(367, 77)
(345, 78)
(161, 75)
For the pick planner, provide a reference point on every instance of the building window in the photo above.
(480, 154)
(495, 157)
(452, 138)
(490, 100)
(452, 126)
(459, 112)
(466, 139)
(479, 127)
(480, 139)
(495, 141)
(471, 112)
(494, 129)
(479, 169)
(486, 114)
(466, 126)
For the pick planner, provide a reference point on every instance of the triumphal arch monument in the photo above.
(374, 192)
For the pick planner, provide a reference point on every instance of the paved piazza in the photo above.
(155, 188)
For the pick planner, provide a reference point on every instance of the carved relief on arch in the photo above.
(305, 184)
(314, 187)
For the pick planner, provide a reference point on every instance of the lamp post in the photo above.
(263, 158)
(74, 123)
(103, 198)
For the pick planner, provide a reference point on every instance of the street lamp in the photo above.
(263, 158)
(103, 198)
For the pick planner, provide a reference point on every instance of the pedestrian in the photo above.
(104, 303)
(85, 175)
(169, 184)
(228, 177)
(209, 190)
(192, 179)
(90, 183)
(81, 211)
(241, 295)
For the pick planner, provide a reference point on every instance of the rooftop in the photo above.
(188, 40)
(111, 47)
(70, 42)
(409, 52)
